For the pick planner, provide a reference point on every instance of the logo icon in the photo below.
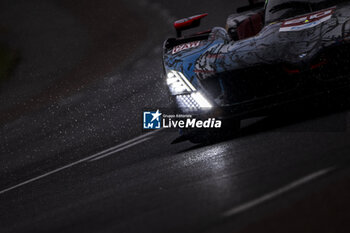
(152, 120)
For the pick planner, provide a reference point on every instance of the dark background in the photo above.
(77, 75)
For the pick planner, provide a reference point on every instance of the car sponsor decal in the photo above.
(308, 21)
(189, 45)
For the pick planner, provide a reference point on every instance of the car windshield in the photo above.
(282, 9)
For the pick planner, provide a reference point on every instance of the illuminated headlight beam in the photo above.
(185, 92)
(202, 102)
(178, 83)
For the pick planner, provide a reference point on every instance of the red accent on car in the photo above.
(296, 71)
(315, 66)
(204, 32)
(251, 26)
(316, 16)
(187, 22)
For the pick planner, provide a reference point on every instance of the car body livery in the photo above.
(282, 52)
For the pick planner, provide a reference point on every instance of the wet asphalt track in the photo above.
(81, 163)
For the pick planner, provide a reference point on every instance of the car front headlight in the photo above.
(187, 96)
(201, 100)
(178, 84)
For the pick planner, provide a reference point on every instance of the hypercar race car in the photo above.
(270, 54)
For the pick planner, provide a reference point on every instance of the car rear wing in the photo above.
(188, 23)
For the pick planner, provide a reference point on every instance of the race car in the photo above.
(270, 54)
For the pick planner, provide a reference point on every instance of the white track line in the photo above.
(111, 150)
(278, 192)
(121, 149)
(124, 143)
